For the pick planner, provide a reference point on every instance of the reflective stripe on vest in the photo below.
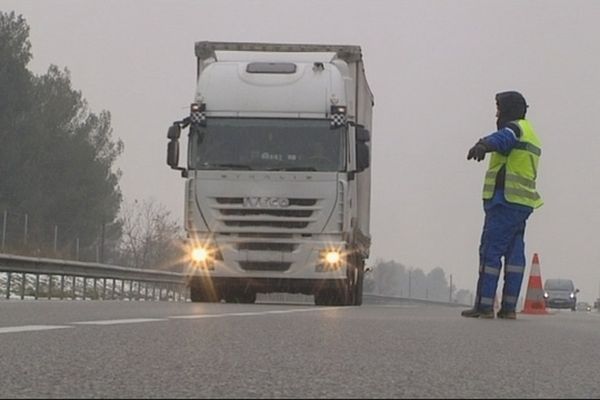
(521, 166)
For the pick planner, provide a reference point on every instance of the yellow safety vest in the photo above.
(521, 167)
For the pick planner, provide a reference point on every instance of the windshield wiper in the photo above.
(227, 165)
(290, 168)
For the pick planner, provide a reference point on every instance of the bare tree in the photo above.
(150, 237)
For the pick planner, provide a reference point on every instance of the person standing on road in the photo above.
(509, 197)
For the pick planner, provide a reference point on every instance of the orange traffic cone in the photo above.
(534, 300)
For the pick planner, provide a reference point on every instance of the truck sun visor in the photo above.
(271, 68)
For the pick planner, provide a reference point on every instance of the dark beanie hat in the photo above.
(511, 106)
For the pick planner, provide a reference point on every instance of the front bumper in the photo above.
(560, 303)
(269, 258)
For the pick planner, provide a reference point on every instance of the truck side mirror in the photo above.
(174, 132)
(362, 149)
(173, 153)
(362, 156)
(362, 134)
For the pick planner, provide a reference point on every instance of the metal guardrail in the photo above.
(134, 283)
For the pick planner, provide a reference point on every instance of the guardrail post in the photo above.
(4, 229)
(122, 294)
(139, 288)
(153, 291)
(104, 289)
(37, 286)
(23, 284)
(49, 287)
(130, 289)
(73, 286)
(77, 249)
(8, 276)
(112, 294)
(145, 291)
(62, 287)
(84, 288)
(55, 238)
(95, 296)
(25, 231)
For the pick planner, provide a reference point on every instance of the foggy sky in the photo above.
(433, 66)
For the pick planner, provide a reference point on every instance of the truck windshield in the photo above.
(268, 145)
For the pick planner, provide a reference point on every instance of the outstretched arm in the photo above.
(501, 141)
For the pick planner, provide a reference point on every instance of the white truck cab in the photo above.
(278, 179)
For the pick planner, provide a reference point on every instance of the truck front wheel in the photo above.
(240, 296)
(203, 291)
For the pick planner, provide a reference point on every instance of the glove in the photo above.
(478, 151)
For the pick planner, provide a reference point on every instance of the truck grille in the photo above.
(267, 246)
(297, 214)
(265, 266)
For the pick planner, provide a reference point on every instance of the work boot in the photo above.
(478, 313)
(507, 314)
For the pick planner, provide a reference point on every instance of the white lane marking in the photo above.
(140, 320)
(247, 314)
(31, 328)
(119, 321)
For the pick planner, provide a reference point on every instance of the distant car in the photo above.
(583, 306)
(560, 293)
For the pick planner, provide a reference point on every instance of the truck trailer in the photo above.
(278, 177)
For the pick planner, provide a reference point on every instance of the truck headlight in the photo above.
(572, 295)
(203, 255)
(331, 258)
(200, 254)
(546, 295)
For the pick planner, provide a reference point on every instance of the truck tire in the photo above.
(333, 297)
(325, 297)
(195, 294)
(358, 289)
(240, 296)
(202, 292)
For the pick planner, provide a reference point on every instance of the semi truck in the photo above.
(278, 174)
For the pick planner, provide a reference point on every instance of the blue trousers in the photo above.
(502, 238)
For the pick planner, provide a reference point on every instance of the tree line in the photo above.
(59, 187)
(394, 279)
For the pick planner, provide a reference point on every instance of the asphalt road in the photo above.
(120, 349)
